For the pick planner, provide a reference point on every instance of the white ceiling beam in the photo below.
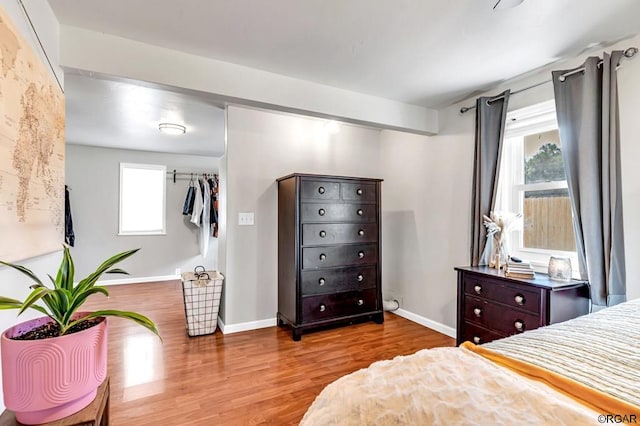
(103, 53)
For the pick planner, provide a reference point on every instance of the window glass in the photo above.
(142, 199)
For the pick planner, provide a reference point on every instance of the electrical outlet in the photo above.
(245, 219)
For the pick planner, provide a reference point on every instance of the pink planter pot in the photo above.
(48, 379)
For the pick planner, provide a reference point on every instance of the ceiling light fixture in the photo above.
(172, 128)
(507, 4)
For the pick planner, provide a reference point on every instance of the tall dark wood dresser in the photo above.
(328, 251)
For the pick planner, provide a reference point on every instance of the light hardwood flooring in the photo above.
(254, 377)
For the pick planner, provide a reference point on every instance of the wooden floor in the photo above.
(254, 377)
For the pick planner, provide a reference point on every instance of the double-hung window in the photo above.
(532, 182)
(142, 199)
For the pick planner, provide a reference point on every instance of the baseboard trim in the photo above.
(245, 326)
(434, 325)
(139, 280)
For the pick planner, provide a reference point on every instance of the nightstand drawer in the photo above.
(479, 335)
(497, 317)
(359, 192)
(322, 281)
(514, 295)
(320, 190)
(317, 308)
(339, 233)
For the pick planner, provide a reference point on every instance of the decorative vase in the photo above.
(47, 379)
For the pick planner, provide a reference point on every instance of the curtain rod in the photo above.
(628, 53)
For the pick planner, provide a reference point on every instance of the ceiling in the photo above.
(424, 52)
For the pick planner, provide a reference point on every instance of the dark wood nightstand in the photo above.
(492, 306)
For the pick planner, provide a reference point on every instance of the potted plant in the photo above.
(52, 366)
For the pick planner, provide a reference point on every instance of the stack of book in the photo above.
(518, 270)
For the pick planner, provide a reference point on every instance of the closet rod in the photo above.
(628, 53)
(175, 173)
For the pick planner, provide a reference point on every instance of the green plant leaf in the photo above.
(93, 277)
(117, 271)
(33, 297)
(24, 270)
(66, 271)
(138, 318)
(80, 299)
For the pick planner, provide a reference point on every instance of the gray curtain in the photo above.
(587, 110)
(491, 113)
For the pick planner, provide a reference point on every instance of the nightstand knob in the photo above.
(360, 277)
(321, 281)
(361, 232)
(321, 212)
(359, 191)
(477, 312)
(476, 340)
(323, 256)
(519, 325)
(519, 299)
(322, 234)
(361, 254)
(321, 190)
(360, 212)
(360, 302)
(477, 289)
(323, 308)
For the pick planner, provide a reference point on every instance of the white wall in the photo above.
(13, 284)
(94, 175)
(261, 147)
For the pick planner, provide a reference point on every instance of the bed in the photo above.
(582, 371)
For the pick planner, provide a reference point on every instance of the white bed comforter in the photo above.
(443, 386)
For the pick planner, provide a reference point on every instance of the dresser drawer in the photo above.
(342, 212)
(513, 295)
(479, 335)
(339, 233)
(331, 256)
(342, 279)
(315, 308)
(319, 190)
(359, 192)
(498, 318)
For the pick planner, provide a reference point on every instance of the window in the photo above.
(533, 182)
(142, 199)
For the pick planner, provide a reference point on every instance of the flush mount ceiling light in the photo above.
(172, 128)
(506, 4)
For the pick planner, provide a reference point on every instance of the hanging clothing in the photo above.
(197, 206)
(69, 235)
(206, 213)
(187, 208)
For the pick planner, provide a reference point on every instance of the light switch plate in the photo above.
(245, 218)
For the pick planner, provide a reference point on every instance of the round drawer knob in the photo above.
(321, 212)
(360, 277)
(321, 190)
(323, 308)
(359, 191)
(477, 312)
(519, 299)
(519, 325)
(321, 281)
(361, 232)
(476, 340)
(477, 289)
(322, 234)
(360, 302)
(323, 256)
(360, 212)
(361, 254)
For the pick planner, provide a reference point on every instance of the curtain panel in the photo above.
(587, 111)
(491, 114)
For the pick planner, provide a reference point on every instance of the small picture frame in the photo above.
(559, 268)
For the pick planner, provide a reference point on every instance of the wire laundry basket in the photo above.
(201, 291)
